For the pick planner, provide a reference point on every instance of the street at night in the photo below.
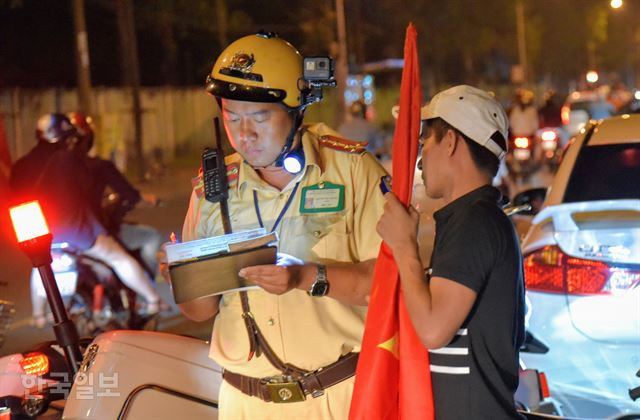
(320, 209)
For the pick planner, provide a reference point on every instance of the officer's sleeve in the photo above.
(203, 218)
(368, 205)
(190, 225)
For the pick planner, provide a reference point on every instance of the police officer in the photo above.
(293, 352)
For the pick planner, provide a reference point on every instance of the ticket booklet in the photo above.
(209, 266)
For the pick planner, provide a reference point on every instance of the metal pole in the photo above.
(82, 57)
(342, 68)
(65, 330)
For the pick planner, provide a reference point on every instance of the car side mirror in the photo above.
(533, 197)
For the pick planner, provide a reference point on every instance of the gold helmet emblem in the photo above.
(242, 62)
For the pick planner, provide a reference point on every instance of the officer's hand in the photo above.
(276, 279)
(398, 227)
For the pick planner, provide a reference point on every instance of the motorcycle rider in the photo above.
(133, 236)
(53, 174)
(523, 116)
(523, 122)
(550, 111)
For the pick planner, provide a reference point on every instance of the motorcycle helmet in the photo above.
(259, 68)
(264, 68)
(84, 126)
(54, 129)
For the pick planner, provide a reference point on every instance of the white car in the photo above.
(582, 273)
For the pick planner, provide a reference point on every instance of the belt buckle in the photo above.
(283, 389)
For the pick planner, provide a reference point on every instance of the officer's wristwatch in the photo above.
(320, 287)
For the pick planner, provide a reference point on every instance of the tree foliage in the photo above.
(459, 40)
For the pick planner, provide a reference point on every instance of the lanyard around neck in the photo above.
(282, 212)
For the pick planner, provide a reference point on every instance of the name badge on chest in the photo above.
(323, 197)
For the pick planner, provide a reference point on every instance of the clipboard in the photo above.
(217, 274)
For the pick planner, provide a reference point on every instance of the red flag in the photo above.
(393, 379)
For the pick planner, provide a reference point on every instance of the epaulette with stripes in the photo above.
(344, 145)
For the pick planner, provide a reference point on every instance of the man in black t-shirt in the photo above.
(469, 310)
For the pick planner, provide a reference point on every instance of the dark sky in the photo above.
(471, 41)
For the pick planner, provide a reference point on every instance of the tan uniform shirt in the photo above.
(308, 332)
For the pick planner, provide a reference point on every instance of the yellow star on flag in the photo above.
(391, 345)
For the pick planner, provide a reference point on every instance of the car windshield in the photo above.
(609, 172)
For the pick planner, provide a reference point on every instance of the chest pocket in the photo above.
(323, 236)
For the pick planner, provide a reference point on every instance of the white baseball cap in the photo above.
(472, 111)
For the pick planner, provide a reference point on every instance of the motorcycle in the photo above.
(549, 153)
(520, 158)
(95, 298)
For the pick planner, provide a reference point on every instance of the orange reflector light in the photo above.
(565, 114)
(28, 221)
(544, 385)
(521, 142)
(35, 364)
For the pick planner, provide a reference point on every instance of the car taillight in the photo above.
(550, 270)
(564, 114)
(544, 386)
(35, 364)
(521, 142)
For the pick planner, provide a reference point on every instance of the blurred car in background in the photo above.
(582, 106)
(582, 273)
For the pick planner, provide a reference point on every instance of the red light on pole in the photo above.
(28, 221)
(34, 238)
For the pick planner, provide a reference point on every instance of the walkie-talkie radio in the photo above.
(214, 176)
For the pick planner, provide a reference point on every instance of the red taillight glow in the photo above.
(521, 142)
(544, 385)
(35, 364)
(28, 221)
(550, 270)
(543, 270)
(564, 114)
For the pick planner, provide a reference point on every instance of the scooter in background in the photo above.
(521, 158)
(96, 300)
(549, 152)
